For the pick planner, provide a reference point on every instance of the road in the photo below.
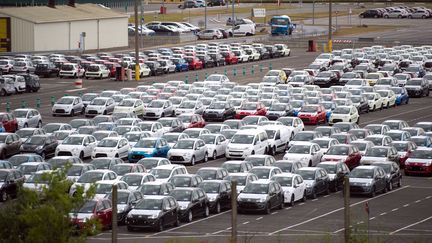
(401, 215)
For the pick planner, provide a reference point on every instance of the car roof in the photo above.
(169, 167)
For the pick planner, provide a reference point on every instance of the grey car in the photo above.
(100, 106)
(6, 86)
(68, 105)
(368, 180)
(28, 118)
(158, 108)
(188, 151)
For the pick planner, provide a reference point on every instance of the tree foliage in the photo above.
(42, 216)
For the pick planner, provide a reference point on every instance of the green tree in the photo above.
(42, 216)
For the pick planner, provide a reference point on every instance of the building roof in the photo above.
(61, 13)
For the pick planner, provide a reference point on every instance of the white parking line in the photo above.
(406, 205)
(274, 213)
(247, 222)
(326, 195)
(428, 197)
(382, 214)
(259, 218)
(395, 209)
(372, 218)
(334, 211)
(417, 201)
(301, 204)
(74, 90)
(217, 232)
(408, 226)
(316, 199)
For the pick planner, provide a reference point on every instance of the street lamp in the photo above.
(330, 43)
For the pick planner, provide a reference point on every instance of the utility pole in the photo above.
(114, 213)
(330, 43)
(141, 23)
(137, 68)
(234, 211)
(205, 15)
(347, 209)
(313, 12)
(232, 19)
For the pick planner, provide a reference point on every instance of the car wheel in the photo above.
(2, 155)
(399, 184)
(177, 222)
(253, 152)
(358, 120)
(81, 156)
(267, 209)
(281, 203)
(310, 163)
(214, 155)
(390, 187)
(423, 17)
(385, 190)
(130, 228)
(189, 217)
(2, 92)
(72, 113)
(374, 108)
(386, 16)
(400, 16)
(206, 157)
(373, 192)
(314, 194)
(410, 16)
(116, 156)
(43, 155)
(217, 208)
(4, 196)
(206, 211)
(304, 197)
(160, 226)
(192, 161)
(388, 105)
(25, 125)
(39, 125)
(291, 203)
(327, 191)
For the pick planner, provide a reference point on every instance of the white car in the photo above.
(68, 105)
(325, 143)
(100, 106)
(294, 123)
(363, 146)
(104, 187)
(241, 55)
(29, 168)
(158, 108)
(210, 34)
(389, 97)
(173, 138)
(344, 114)
(112, 147)
(135, 180)
(144, 70)
(279, 137)
(220, 78)
(79, 145)
(135, 106)
(97, 71)
(375, 101)
(71, 70)
(28, 118)
(293, 186)
(164, 172)
(134, 137)
(19, 83)
(247, 142)
(283, 49)
(216, 144)
(190, 106)
(154, 127)
(90, 177)
(309, 154)
(128, 121)
(188, 151)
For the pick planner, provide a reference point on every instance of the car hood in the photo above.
(214, 111)
(81, 216)
(180, 151)
(369, 159)
(239, 146)
(334, 158)
(69, 147)
(412, 87)
(252, 196)
(360, 180)
(142, 150)
(65, 107)
(421, 161)
(154, 110)
(136, 212)
(333, 115)
(296, 157)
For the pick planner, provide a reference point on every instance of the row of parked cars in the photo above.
(418, 12)
(151, 62)
(18, 84)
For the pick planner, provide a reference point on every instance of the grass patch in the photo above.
(362, 30)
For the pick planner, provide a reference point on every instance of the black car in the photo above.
(273, 51)
(44, 145)
(219, 111)
(316, 179)
(393, 174)
(361, 103)
(9, 144)
(326, 79)
(11, 180)
(32, 82)
(186, 180)
(417, 87)
(188, 4)
(46, 70)
(219, 194)
(368, 180)
(371, 13)
(172, 123)
(218, 59)
(155, 212)
(193, 201)
(264, 54)
(278, 110)
(216, 3)
(206, 60)
(260, 195)
(337, 172)
(126, 200)
(155, 68)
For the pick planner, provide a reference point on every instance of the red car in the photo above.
(251, 108)
(100, 210)
(230, 58)
(9, 121)
(191, 120)
(347, 153)
(404, 148)
(112, 67)
(419, 162)
(194, 63)
(313, 114)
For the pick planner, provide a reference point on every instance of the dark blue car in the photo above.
(181, 64)
(402, 96)
(148, 147)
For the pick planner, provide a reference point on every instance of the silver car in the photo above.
(100, 106)
(6, 86)
(188, 151)
(68, 105)
(159, 108)
(28, 118)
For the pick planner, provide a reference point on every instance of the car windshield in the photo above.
(50, 128)
(108, 143)
(261, 173)
(146, 143)
(122, 169)
(88, 207)
(386, 166)
(342, 110)
(207, 174)
(242, 139)
(182, 195)
(187, 105)
(421, 154)
(88, 97)
(150, 189)
(74, 170)
(299, 149)
(213, 78)
(103, 188)
(184, 144)
(208, 139)
(210, 187)
(284, 181)
(65, 101)
(330, 168)
(303, 137)
(248, 106)
(255, 188)
(296, 104)
(78, 123)
(377, 152)
(127, 103)
(98, 102)
(132, 180)
(217, 106)
(400, 147)
(307, 174)
(67, 67)
(161, 173)
(20, 113)
(419, 141)
(338, 150)
(181, 181)
(149, 204)
(284, 166)
(361, 173)
(156, 104)
(90, 177)
(322, 143)
(73, 140)
(27, 169)
(35, 140)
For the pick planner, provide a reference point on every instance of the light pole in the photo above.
(205, 15)
(313, 12)
(232, 19)
(330, 44)
(137, 69)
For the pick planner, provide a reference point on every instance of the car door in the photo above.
(196, 204)
(225, 194)
(316, 154)
(320, 181)
(202, 149)
(273, 195)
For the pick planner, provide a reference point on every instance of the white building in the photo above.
(56, 29)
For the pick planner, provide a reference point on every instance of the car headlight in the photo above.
(187, 155)
(183, 207)
(74, 150)
(428, 163)
(153, 216)
(129, 216)
(367, 184)
(261, 200)
(39, 147)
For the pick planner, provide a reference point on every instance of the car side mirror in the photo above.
(197, 148)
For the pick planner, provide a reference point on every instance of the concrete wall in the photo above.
(52, 36)
(22, 35)
(113, 33)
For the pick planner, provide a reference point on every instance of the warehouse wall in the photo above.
(52, 36)
(22, 35)
(88, 26)
(113, 33)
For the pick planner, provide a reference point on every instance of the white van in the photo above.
(247, 142)
(278, 136)
(243, 30)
